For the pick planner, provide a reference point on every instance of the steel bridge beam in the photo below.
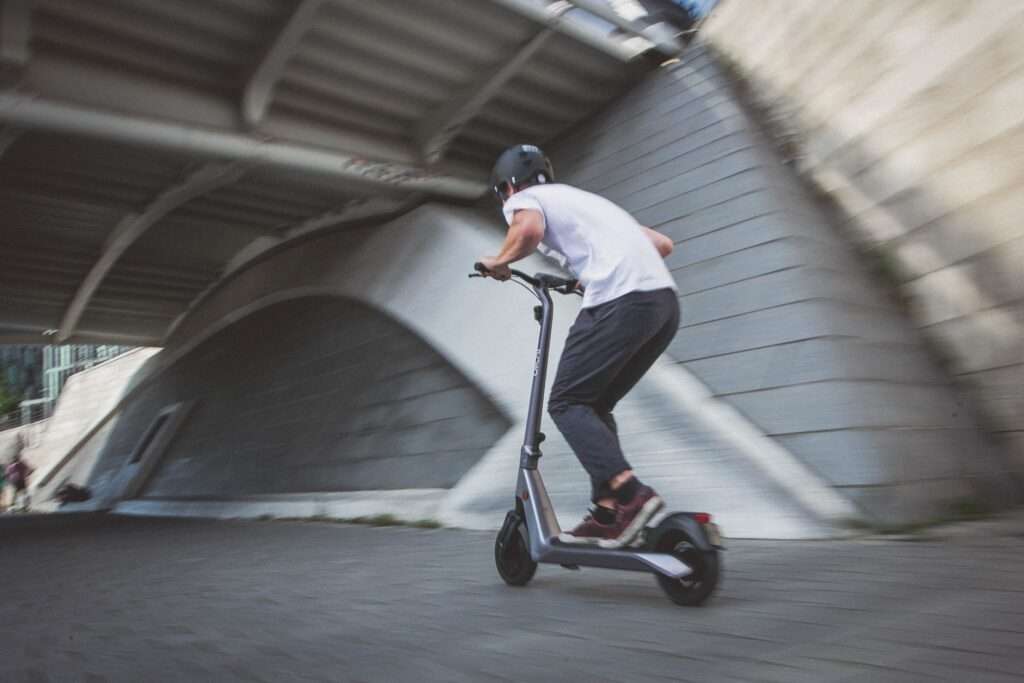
(662, 41)
(15, 31)
(259, 91)
(357, 210)
(133, 226)
(33, 113)
(8, 136)
(551, 15)
(435, 132)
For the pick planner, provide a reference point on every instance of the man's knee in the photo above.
(558, 402)
(557, 407)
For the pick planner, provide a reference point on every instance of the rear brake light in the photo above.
(702, 517)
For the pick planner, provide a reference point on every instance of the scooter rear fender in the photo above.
(682, 521)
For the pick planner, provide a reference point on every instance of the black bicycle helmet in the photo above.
(518, 167)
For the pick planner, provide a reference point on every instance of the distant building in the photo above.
(21, 367)
(37, 373)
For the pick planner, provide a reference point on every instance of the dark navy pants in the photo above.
(608, 350)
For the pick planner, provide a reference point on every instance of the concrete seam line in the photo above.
(781, 466)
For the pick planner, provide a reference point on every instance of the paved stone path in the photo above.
(122, 599)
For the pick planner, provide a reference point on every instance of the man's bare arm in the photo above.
(661, 242)
(524, 234)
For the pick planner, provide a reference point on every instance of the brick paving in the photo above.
(122, 599)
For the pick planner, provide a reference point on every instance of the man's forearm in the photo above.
(518, 244)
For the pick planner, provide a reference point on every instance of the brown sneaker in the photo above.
(633, 516)
(591, 532)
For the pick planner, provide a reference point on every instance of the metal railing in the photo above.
(29, 412)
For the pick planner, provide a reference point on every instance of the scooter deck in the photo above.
(556, 552)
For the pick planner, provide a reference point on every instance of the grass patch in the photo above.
(962, 510)
(969, 509)
(426, 524)
(856, 524)
(391, 520)
(371, 520)
(375, 520)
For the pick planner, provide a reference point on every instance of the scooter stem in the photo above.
(533, 437)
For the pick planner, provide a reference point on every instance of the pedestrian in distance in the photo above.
(18, 472)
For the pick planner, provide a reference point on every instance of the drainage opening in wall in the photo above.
(146, 457)
(147, 438)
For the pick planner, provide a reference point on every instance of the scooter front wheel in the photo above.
(694, 588)
(512, 557)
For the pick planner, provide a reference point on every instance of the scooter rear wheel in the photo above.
(515, 566)
(694, 588)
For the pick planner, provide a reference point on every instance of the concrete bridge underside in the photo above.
(332, 358)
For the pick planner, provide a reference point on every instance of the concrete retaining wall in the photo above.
(911, 116)
(84, 405)
(780, 316)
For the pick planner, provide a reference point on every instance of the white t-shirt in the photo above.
(595, 239)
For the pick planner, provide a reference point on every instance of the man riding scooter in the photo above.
(630, 313)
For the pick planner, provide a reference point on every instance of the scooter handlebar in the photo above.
(540, 280)
(481, 271)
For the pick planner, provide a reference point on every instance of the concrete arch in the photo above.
(305, 393)
(413, 269)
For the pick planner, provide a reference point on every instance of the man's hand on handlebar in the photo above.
(499, 271)
(544, 281)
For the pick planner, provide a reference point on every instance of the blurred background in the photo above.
(235, 235)
(839, 181)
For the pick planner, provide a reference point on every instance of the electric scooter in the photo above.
(682, 550)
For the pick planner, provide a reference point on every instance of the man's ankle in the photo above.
(627, 490)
